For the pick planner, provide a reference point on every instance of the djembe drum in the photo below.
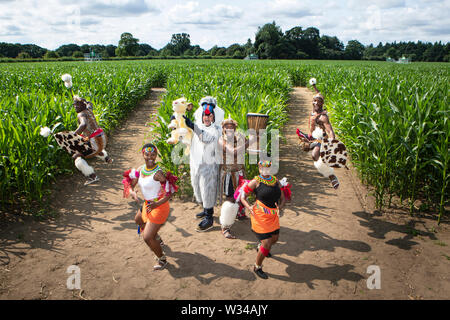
(256, 121)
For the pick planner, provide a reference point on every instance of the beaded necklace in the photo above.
(149, 172)
(268, 181)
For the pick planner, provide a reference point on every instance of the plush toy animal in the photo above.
(180, 130)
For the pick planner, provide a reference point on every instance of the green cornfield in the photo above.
(34, 96)
(393, 118)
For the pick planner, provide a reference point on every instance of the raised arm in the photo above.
(83, 124)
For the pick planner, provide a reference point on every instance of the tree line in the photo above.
(270, 43)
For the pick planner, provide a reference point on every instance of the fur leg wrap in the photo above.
(103, 157)
(228, 213)
(264, 251)
(324, 170)
(83, 166)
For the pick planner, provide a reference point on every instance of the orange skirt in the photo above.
(158, 215)
(264, 219)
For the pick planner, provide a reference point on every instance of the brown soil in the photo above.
(328, 239)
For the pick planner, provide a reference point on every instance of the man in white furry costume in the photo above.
(204, 163)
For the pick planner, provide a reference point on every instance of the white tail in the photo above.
(45, 132)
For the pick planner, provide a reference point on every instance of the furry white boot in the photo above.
(83, 166)
(103, 157)
(323, 169)
(228, 214)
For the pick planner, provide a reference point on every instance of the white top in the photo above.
(149, 186)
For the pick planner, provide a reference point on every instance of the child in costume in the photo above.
(233, 144)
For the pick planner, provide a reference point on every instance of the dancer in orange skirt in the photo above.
(264, 214)
(157, 189)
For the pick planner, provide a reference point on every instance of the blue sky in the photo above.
(55, 22)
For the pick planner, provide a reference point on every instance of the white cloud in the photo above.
(291, 8)
(194, 13)
(52, 23)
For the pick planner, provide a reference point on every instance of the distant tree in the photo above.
(167, 51)
(67, 50)
(33, 50)
(235, 47)
(248, 47)
(218, 51)
(213, 50)
(23, 55)
(354, 50)
(310, 42)
(144, 49)
(111, 50)
(434, 53)
(128, 46)
(152, 53)
(10, 50)
(78, 54)
(221, 52)
(285, 49)
(392, 53)
(85, 48)
(188, 53)
(180, 42)
(51, 55)
(238, 54)
(301, 55)
(267, 41)
(332, 43)
(196, 50)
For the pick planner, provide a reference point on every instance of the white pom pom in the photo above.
(66, 77)
(133, 174)
(283, 182)
(68, 84)
(312, 81)
(45, 132)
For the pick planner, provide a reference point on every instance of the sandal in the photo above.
(91, 180)
(260, 273)
(162, 262)
(335, 182)
(227, 234)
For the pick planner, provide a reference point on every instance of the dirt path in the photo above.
(328, 239)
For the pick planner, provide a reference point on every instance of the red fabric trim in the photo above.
(247, 189)
(287, 191)
(96, 133)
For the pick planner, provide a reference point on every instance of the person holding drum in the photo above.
(265, 212)
(233, 144)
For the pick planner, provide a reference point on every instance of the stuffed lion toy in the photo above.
(180, 131)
